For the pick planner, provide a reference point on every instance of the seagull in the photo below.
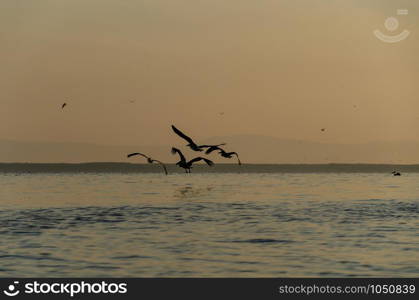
(192, 144)
(64, 105)
(149, 160)
(396, 173)
(188, 165)
(223, 153)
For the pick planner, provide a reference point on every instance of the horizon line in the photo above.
(233, 164)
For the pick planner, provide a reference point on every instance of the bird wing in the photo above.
(212, 148)
(182, 135)
(176, 150)
(208, 146)
(238, 159)
(222, 151)
(137, 153)
(162, 164)
(209, 162)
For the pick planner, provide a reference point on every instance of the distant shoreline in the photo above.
(116, 167)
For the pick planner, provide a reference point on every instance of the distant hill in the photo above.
(125, 168)
(252, 149)
(265, 149)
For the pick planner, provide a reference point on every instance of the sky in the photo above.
(281, 68)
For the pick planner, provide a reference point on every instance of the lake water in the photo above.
(209, 225)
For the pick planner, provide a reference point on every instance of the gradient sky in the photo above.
(281, 68)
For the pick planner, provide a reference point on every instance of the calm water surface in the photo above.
(211, 225)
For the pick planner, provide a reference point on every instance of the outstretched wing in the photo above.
(209, 162)
(209, 146)
(182, 135)
(137, 153)
(218, 145)
(176, 150)
(162, 164)
(212, 148)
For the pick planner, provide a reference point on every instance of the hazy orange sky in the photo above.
(281, 68)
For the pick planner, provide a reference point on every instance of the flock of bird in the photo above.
(185, 164)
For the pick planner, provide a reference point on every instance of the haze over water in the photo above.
(209, 224)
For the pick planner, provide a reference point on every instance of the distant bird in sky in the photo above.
(192, 144)
(132, 101)
(149, 160)
(221, 113)
(63, 105)
(396, 173)
(187, 165)
(323, 129)
(223, 153)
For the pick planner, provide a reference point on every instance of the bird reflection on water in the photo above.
(189, 192)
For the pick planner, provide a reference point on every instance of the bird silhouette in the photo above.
(187, 165)
(192, 144)
(149, 160)
(223, 153)
(323, 129)
(396, 173)
(64, 105)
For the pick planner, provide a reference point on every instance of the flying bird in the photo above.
(187, 165)
(323, 129)
(149, 160)
(192, 144)
(64, 105)
(396, 173)
(223, 153)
